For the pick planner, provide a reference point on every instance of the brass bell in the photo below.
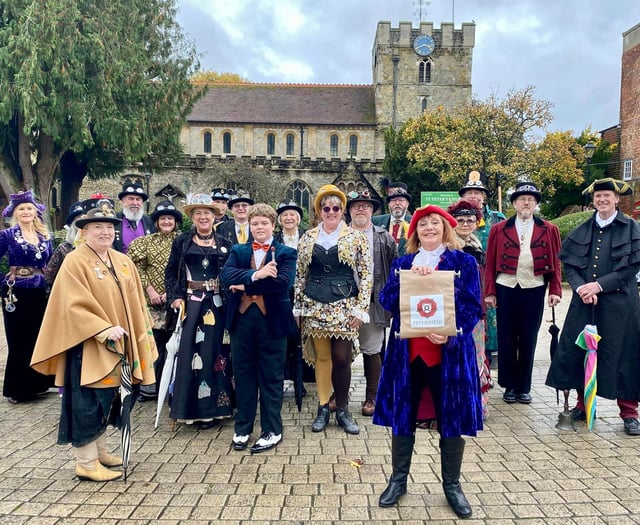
(565, 421)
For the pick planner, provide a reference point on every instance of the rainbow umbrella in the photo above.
(588, 340)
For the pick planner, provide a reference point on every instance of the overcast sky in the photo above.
(569, 50)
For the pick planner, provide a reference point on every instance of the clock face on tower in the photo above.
(424, 45)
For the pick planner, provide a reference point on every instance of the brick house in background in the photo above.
(630, 119)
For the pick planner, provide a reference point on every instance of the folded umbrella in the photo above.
(168, 371)
(127, 400)
(588, 340)
(554, 330)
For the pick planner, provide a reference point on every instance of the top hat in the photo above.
(362, 196)
(133, 188)
(397, 194)
(220, 194)
(97, 210)
(74, 211)
(526, 188)
(474, 182)
(240, 197)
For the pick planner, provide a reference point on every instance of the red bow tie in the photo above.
(260, 246)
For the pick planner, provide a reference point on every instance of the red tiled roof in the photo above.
(309, 104)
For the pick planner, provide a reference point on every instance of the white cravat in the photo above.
(429, 258)
(605, 222)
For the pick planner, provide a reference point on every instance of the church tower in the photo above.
(415, 69)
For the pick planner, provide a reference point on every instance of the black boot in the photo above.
(451, 453)
(401, 452)
(344, 419)
(322, 419)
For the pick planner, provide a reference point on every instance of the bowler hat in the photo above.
(166, 208)
(291, 205)
(326, 191)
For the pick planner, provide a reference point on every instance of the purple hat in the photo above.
(22, 197)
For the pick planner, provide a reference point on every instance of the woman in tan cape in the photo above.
(97, 298)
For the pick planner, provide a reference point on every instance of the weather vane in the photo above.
(421, 9)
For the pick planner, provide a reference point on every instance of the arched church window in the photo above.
(226, 142)
(333, 145)
(299, 192)
(353, 146)
(291, 143)
(207, 141)
(424, 70)
(271, 144)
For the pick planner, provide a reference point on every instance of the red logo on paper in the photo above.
(426, 307)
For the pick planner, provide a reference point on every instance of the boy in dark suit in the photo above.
(259, 274)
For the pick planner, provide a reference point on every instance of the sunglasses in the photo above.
(334, 209)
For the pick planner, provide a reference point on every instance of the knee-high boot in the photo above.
(401, 452)
(451, 454)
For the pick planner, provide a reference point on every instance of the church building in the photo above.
(302, 136)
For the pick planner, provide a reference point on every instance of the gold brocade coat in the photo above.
(85, 301)
(332, 320)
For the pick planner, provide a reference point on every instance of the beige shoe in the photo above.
(109, 460)
(97, 473)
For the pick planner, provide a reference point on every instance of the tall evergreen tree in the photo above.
(102, 84)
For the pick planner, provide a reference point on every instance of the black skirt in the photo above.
(85, 412)
(21, 327)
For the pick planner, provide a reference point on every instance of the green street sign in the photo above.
(438, 198)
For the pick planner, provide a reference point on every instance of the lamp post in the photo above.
(589, 150)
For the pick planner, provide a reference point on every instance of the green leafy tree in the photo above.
(213, 77)
(89, 87)
(496, 136)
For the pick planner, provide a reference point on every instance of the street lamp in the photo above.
(589, 150)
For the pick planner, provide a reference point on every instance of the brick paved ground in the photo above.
(519, 470)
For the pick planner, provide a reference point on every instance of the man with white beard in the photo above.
(134, 222)
(360, 207)
(396, 222)
(522, 261)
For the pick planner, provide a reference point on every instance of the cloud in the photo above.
(570, 51)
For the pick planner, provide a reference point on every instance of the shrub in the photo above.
(567, 223)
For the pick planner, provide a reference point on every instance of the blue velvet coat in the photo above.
(461, 402)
